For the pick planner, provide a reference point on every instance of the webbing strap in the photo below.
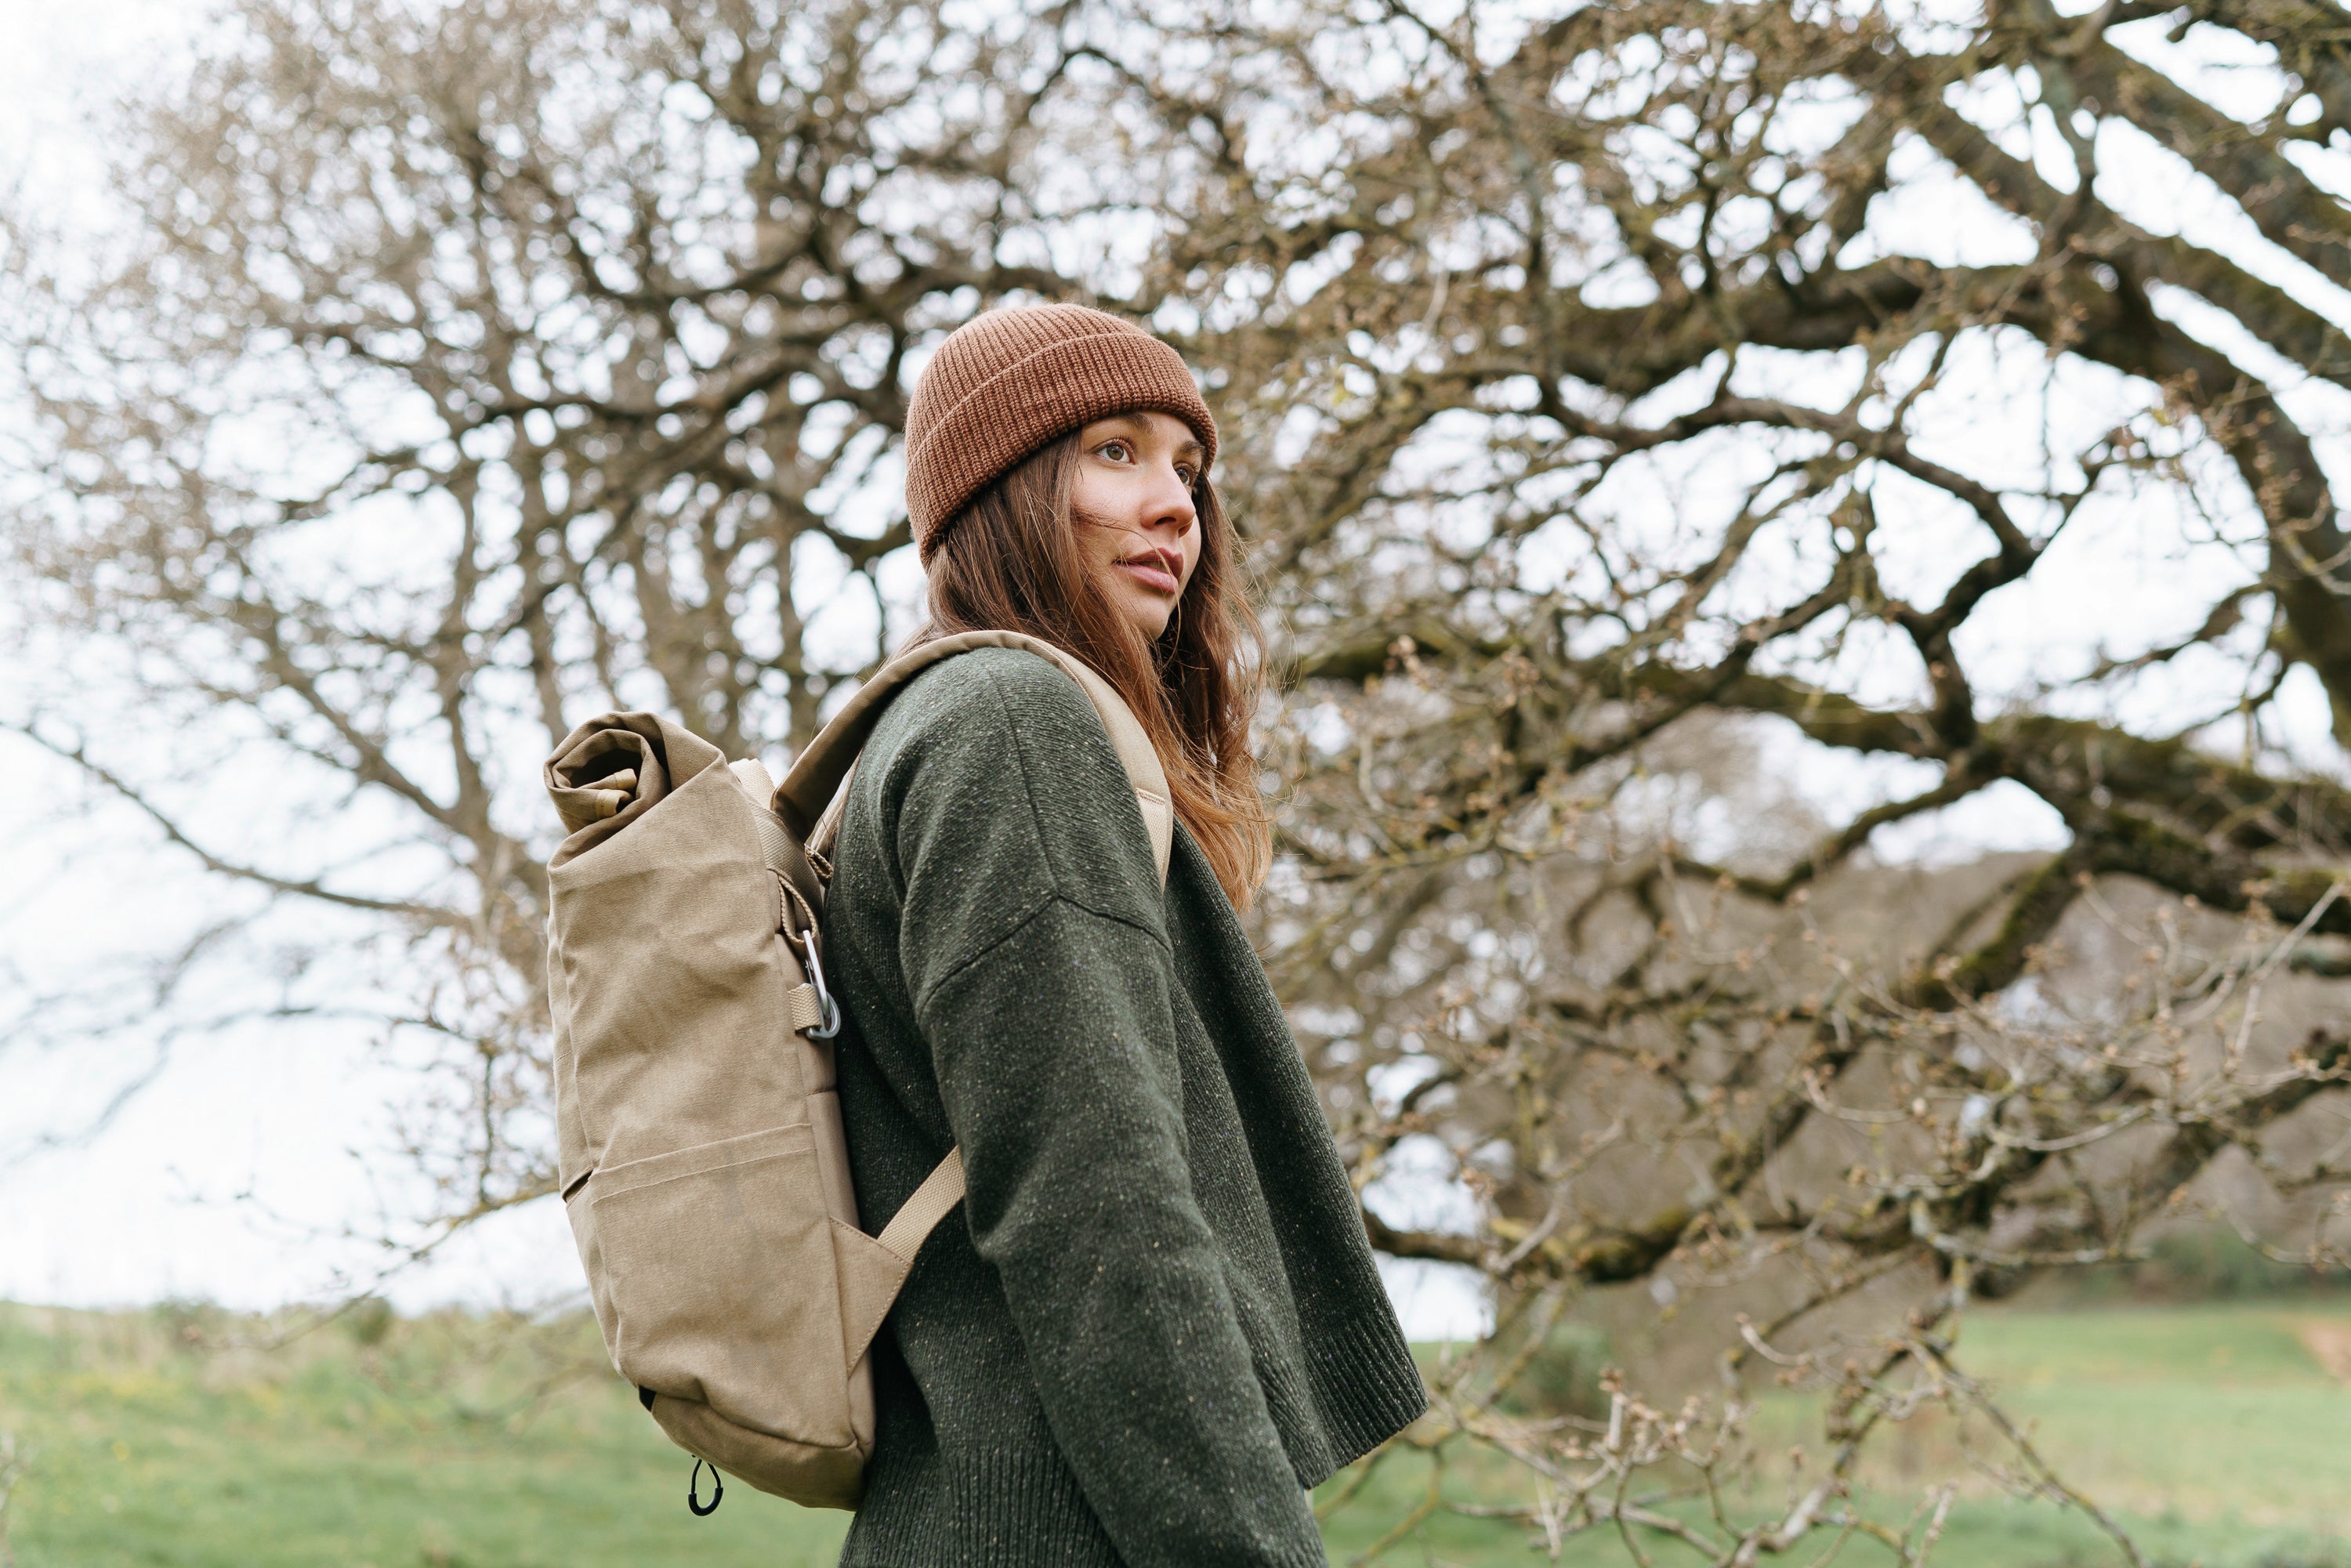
(940, 1192)
(803, 1007)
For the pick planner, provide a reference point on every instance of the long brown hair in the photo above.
(1010, 562)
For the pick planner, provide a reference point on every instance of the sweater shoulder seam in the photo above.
(1056, 886)
(1043, 906)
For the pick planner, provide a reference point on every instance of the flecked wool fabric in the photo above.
(1156, 1317)
(1005, 382)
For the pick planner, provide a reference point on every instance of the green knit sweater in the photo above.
(1155, 1318)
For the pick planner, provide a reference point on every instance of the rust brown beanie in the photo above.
(1005, 382)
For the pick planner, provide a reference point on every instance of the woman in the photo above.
(1158, 1319)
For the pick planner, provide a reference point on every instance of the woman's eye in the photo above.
(1187, 475)
(1113, 450)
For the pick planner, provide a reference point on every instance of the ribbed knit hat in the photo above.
(1005, 384)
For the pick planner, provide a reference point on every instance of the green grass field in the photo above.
(173, 1437)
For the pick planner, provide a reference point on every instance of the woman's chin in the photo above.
(1147, 613)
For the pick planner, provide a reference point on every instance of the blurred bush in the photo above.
(2197, 1263)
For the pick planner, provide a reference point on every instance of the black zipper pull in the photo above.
(693, 1485)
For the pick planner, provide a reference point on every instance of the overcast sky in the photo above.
(230, 1177)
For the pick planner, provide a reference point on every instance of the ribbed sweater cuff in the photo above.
(1365, 1384)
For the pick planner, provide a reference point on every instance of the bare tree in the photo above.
(1601, 395)
(1610, 435)
(460, 374)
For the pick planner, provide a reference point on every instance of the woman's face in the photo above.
(1136, 474)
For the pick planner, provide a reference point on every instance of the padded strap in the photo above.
(815, 780)
(920, 1214)
(827, 827)
(753, 777)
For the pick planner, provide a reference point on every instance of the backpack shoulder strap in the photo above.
(809, 798)
(810, 792)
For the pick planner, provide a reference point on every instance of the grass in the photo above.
(171, 1437)
(2213, 1432)
(2205, 1412)
(416, 1452)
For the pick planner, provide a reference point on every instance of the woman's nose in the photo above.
(1172, 504)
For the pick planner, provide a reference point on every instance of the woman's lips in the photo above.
(1146, 571)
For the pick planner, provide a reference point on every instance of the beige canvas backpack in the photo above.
(699, 1138)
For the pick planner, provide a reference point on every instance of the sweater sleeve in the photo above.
(1050, 1017)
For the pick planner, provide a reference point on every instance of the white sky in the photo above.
(152, 1207)
(230, 1175)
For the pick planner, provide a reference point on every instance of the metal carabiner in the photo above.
(826, 1007)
